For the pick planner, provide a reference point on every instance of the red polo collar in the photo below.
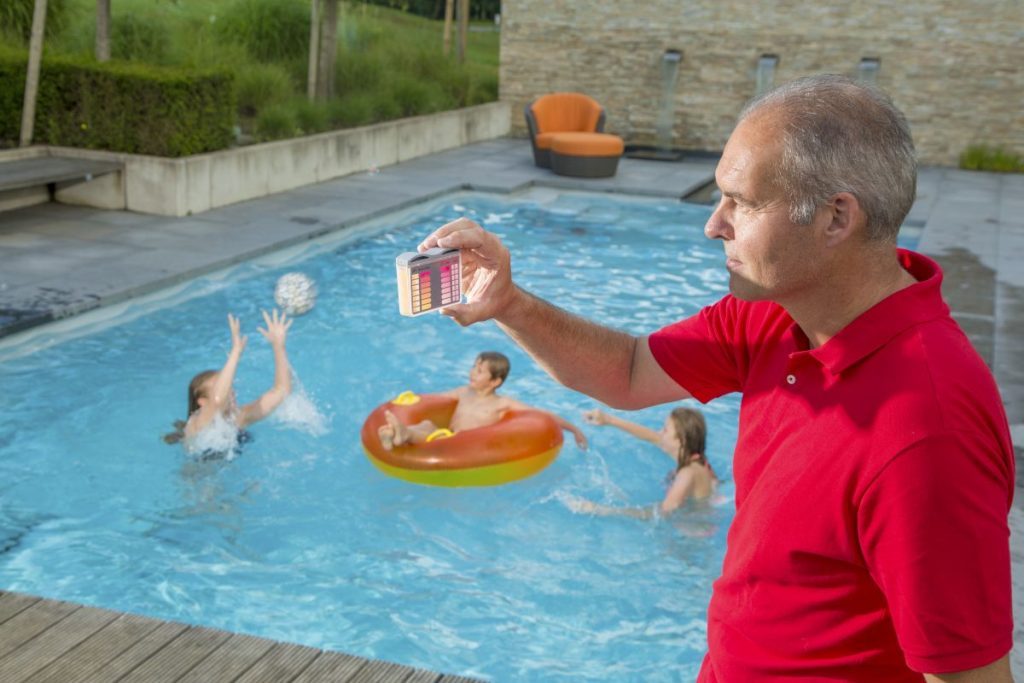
(891, 316)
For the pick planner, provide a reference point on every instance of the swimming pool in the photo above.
(300, 538)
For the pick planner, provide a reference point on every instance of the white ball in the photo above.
(295, 293)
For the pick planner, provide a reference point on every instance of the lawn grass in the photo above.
(389, 63)
(989, 158)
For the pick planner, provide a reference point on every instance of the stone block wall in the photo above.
(953, 67)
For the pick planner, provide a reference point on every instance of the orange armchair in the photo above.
(560, 112)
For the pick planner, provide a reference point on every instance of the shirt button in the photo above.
(791, 379)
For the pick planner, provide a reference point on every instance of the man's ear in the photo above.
(846, 218)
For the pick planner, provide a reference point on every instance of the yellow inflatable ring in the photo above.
(520, 444)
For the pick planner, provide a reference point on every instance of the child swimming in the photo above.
(682, 437)
(212, 405)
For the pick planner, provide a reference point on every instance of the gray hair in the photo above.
(842, 136)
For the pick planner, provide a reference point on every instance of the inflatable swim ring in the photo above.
(520, 444)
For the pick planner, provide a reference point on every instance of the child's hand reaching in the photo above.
(595, 417)
(277, 327)
(237, 338)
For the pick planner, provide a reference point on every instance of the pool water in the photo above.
(299, 537)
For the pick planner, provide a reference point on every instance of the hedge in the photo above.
(120, 107)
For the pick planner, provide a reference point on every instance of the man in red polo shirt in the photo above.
(873, 468)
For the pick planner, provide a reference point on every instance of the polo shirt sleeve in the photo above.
(701, 353)
(935, 537)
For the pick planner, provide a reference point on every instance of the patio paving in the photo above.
(57, 261)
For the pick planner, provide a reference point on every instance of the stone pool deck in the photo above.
(57, 261)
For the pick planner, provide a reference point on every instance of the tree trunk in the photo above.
(328, 50)
(463, 29)
(35, 58)
(449, 9)
(314, 49)
(102, 30)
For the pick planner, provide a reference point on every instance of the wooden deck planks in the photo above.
(384, 672)
(282, 662)
(139, 652)
(12, 603)
(332, 667)
(49, 645)
(48, 641)
(97, 651)
(30, 622)
(234, 657)
(177, 657)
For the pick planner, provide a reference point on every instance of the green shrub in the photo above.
(260, 85)
(275, 122)
(270, 29)
(359, 71)
(16, 17)
(354, 109)
(413, 96)
(121, 107)
(138, 37)
(986, 158)
(482, 89)
(384, 105)
(311, 117)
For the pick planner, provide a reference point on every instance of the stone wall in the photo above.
(953, 67)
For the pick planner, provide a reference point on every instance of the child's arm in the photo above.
(220, 392)
(682, 487)
(581, 438)
(275, 333)
(599, 417)
(588, 507)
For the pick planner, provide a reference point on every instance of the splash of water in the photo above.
(219, 437)
(300, 412)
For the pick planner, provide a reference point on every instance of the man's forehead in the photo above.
(753, 144)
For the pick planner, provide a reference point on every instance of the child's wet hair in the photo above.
(195, 389)
(195, 392)
(692, 431)
(497, 363)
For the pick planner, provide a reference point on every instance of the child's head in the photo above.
(684, 434)
(199, 390)
(491, 366)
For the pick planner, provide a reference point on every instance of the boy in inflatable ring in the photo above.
(479, 405)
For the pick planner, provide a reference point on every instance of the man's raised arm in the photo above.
(611, 366)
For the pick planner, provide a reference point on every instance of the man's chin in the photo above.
(745, 290)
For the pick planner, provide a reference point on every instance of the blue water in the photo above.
(299, 538)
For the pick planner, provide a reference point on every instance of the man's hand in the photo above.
(486, 270)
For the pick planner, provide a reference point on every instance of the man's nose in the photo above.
(717, 226)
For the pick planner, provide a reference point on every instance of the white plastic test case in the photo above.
(428, 281)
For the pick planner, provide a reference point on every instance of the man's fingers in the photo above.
(461, 233)
(463, 314)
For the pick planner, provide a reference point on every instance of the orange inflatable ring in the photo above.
(520, 444)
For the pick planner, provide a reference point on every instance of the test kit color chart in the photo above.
(429, 280)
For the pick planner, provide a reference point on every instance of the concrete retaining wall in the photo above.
(190, 185)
